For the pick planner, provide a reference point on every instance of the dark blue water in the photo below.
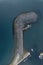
(9, 9)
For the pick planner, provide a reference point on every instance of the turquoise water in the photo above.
(33, 38)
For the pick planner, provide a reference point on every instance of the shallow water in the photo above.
(33, 38)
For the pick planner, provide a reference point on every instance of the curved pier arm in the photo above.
(25, 19)
(22, 22)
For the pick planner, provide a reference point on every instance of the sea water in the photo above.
(33, 38)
